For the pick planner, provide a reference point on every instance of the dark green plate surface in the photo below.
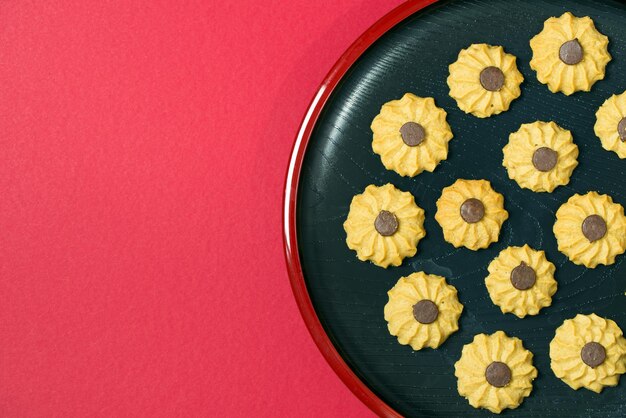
(349, 295)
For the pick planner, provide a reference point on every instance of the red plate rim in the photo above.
(292, 256)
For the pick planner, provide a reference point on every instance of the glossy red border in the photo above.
(289, 204)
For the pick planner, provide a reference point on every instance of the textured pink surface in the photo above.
(143, 147)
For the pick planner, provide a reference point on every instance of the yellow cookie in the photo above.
(471, 214)
(588, 351)
(384, 225)
(569, 54)
(484, 80)
(590, 229)
(610, 124)
(521, 281)
(411, 135)
(495, 372)
(423, 310)
(540, 156)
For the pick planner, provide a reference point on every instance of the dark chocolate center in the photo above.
(621, 129)
(492, 78)
(386, 223)
(523, 277)
(412, 134)
(594, 227)
(593, 354)
(544, 158)
(571, 52)
(498, 374)
(425, 311)
(472, 210)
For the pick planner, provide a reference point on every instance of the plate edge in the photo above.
(292, 257)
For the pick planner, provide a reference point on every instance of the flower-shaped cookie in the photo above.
(569, 54)
(384, 225)
(540, 156)
(411, 135)
(484, 80)
(610, 124)
(495, 372)
(423, 310)
(590, 229)
(521, 281)
(471, 214)
(588, 351)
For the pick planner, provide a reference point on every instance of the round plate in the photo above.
(342, 298)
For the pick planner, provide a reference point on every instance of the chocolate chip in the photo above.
(593, 354)
(571, 52)
(498, 374)
(472, 210)
(425, 311)
(492, 78)
(523, 277)
(544, 158)
(412, 134)
(594, 227)
(621, 129)
(386, 223)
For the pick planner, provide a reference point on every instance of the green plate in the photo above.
(348, 295)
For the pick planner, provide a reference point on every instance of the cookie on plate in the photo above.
(588, 351)
(495, 372)
(471, 214)
(540, 156)
(411, 135)
(610, 124)
(569, 54)
(384, 225)
(484, 80)
(423, 310)
(521, 281)
(590, 229)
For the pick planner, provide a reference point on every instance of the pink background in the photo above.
(143, 148)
